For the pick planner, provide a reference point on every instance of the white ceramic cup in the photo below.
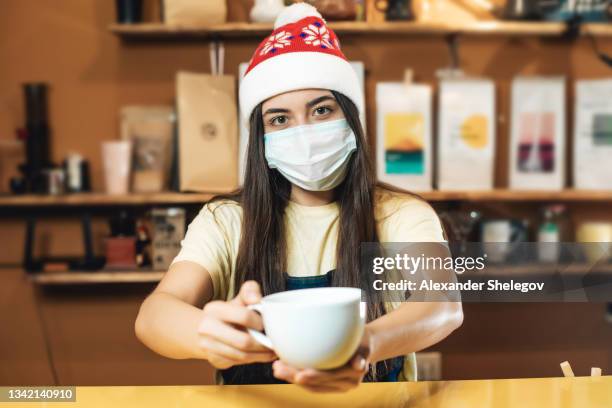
(317, 328)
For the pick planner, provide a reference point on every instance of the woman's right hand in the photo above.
(222, 330)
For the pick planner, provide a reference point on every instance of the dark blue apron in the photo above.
(261, 373)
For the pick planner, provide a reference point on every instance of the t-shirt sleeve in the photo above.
(413, 221)
(208, 243)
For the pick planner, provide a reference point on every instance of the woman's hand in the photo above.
(222, 330)
(340, 379)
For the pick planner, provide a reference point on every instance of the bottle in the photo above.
(77, 173)
(550, 233)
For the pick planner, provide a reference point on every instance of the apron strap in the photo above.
(307, 282)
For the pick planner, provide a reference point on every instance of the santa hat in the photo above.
(302, 52)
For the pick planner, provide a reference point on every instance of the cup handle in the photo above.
(257, 335)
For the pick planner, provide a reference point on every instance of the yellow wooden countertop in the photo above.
(579, 392)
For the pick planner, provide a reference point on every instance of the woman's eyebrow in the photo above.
(308, 104)
(276, 110)
(319, 99)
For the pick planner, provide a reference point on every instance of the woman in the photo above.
(309, 200)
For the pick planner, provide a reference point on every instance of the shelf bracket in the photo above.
(88, 262)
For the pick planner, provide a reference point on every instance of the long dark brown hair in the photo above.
(264, 197)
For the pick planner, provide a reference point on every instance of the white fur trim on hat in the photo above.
(296, 12)
(298, 70)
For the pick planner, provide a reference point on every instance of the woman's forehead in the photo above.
(295, 99)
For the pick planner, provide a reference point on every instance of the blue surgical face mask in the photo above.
(313, 157)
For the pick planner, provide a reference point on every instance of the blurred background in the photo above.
(118, 120)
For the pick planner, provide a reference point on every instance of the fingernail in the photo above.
(362, 364)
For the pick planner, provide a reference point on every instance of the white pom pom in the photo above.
(295, 12)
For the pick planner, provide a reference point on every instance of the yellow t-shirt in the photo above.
(213, 237)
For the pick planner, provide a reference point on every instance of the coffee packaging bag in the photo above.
(208, 132)
(537, 140)
(150, 129)
(243, 141)
(194, 13)
(403, 135)
(593, 134)
(466, 130)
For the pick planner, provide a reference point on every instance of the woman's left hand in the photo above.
(340, 379)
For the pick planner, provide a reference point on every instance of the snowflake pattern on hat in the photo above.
(309, 34)
(316, 34)
(276, 41)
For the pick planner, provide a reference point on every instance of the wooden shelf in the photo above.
(101, 199)
(101, 277)
(95, 277)
(160, 30)
(243, 29)
(568, 195)
(548, 269)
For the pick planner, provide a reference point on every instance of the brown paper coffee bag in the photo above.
(194, 13)
(208, 132)
(150, 128)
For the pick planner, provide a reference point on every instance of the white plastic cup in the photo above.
(117, 162)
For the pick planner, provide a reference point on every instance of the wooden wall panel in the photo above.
(23, 352)
(91, 333)
(515, 340)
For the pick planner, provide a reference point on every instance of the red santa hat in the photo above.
(302, 52)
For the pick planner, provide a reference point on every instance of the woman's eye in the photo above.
(322, 110)
(278, 120)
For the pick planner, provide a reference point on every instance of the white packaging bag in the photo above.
(537, 140)
(243, 137)
(593, 134)
(403, 135)
(466, 134)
